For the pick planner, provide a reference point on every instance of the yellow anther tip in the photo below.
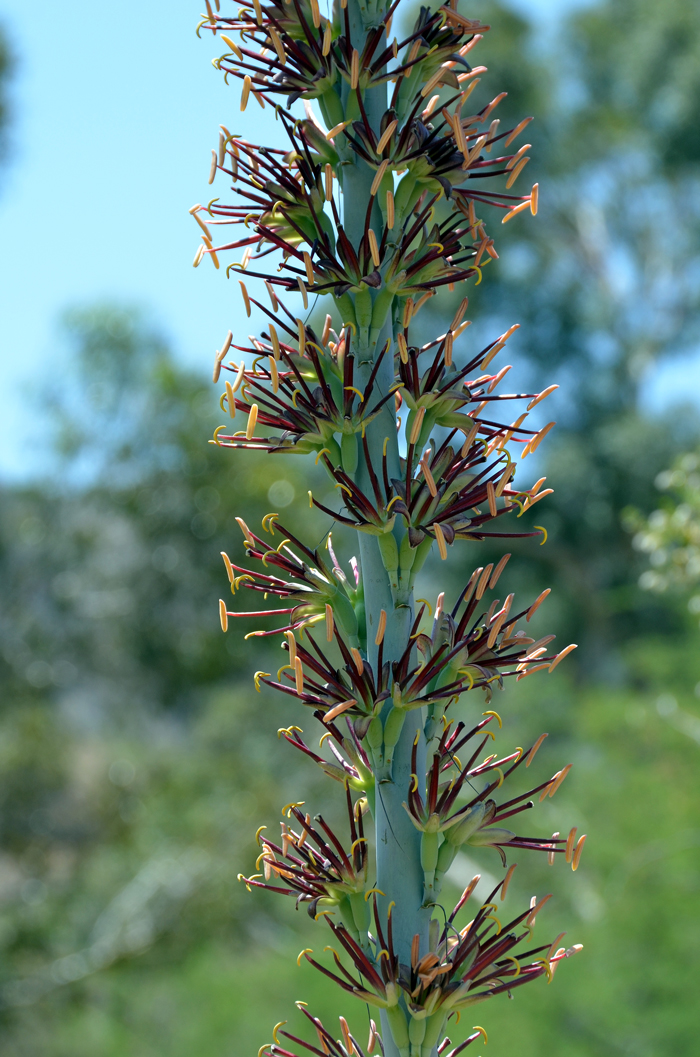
(287, 809)
(372, 891)
(276, 1028)
(258, 676)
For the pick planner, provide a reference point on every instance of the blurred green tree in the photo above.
(5, 70)
(113, 577)
(670, 535)
(6, 66)
(129, 762)
(642, 78)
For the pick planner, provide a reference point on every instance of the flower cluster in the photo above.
(461, 968)
(445, 490)
(418, 152)
(471, 647)
(446, 821)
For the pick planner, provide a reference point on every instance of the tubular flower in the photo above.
(355, 771)
(310, 584)
(323, 1038)
(388, 160)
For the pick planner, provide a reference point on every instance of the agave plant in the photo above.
(373, 200)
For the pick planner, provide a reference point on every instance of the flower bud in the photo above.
(463, 830)
(485, 838)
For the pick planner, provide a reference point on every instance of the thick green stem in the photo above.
(356, 175)
(398, 843)
(399, 870)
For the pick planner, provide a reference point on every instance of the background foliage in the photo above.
(136, 760)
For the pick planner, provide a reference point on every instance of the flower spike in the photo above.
(390, 167)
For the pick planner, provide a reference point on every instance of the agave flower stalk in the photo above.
(389, 163)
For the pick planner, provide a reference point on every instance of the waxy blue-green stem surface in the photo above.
(397, 844)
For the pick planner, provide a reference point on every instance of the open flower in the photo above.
(329, 1045)
(471, 646)
(303, 387)
(306, 391)
(349, 1044)
(351, 766)
(302, 53)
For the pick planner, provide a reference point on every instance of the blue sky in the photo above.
(114, 120)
